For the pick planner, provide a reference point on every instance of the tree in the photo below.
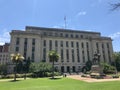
(53, 56)
(116, 62)
(3, 69)
(16, 58)
(115, 6)
(39, 69)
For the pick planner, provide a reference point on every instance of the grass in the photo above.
(57, 84)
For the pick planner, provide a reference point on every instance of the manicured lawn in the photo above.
(57, 84)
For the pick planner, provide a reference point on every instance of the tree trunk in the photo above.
(15, 71)
(53, 69)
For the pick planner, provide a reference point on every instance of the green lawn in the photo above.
(57, 84)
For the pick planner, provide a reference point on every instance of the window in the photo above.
(67, 44)
(33, 56)
(107, 45)
(50, 44)
(82, 44)
(81, 36)
(44, 54)
(72, 44)
(33, 49)
(87, 45)
(45, 34)
(76, 36)
(17, 49)
(44, 43)
(71, 35)
(61, 34)
(77, 44)
(62, 55)
(66, 35)
(33, 41)
(61, 43)
(78, 57)
(67, 55)
(73, 56)
(17, 41)
(56, 43)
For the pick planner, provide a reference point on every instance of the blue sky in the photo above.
(88, 15)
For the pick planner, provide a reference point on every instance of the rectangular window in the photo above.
(71, 35)
(73, 60)
(66, 35)
(62, 55)
(50, 45)
(33, 49)
(61, 43)
(78, 57)
(72, 44)
(17, 41)
(56, 43)
(17, 49)
(25, 42)
(44, 54)
(33, 56)
(76, 36)
(82, 44)
(67, 45)
(107, 45)
(33, 41)
(67, 55)
(77, 44)
(61, 34)
(44, 43)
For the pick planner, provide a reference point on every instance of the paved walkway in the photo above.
(78, 77)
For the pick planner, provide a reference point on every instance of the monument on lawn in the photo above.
(96, 68)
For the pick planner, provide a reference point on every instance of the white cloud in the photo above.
(115, 35)
(82, 13)
(4, 37)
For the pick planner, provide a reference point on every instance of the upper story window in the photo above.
(66, 35)
(45, 34)
(56, 43)
(17, 41)
(25, 42)
(107, 45)
(61, 34)
(67, 45)
(71, 35)
(61, 43)
(44, 43)
(33, 41)
(81, 36)
(72, 44)
(76, 36)
(82, 44)
(77, 44)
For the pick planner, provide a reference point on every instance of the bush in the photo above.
(115, 76)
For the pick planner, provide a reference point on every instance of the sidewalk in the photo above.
(78, 77)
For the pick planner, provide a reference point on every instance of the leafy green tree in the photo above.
(39, 69)
(53, 56)
(16, 58)
(116, 62)
(88, 65)
(3, 69)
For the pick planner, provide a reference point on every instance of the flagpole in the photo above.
(65, 21)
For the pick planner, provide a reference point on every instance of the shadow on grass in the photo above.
(55, 78)
(14, 80)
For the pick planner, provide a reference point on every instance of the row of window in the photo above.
(64, 35)
(73, 53)
(67, 44)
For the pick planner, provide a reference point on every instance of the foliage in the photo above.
(16, 59)
(3, 69)
(108, 69)
(116, 62)
(39, 69)
(87, 66)
(53, 56)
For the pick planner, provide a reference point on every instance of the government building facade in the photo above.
(74, 47)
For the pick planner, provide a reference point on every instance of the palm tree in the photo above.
(16, 58)
(53, 56)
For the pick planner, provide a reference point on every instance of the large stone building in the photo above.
(75, 47)
(4, 53)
